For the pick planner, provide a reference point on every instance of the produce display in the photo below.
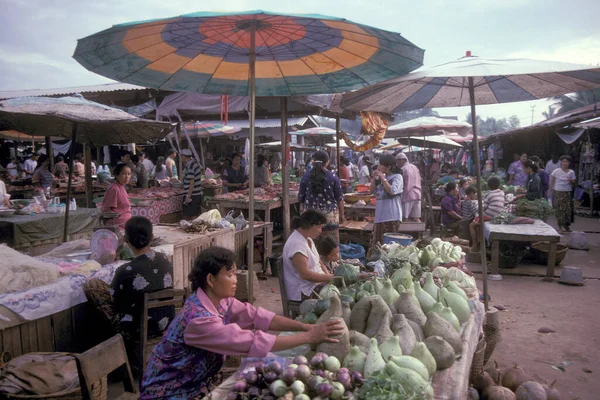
(400, 328)
(537, 209)
(266, 193)
(512, 384)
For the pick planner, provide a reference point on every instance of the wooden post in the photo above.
(284, 171)
(71, 156)
(180, 163)
(251, 87)
(98, 155)
(87, 161)
(50, 152)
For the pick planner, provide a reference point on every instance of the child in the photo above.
(493, 204)
(329, 251)
(468, 208)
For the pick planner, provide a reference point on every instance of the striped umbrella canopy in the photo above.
(494, 81)
(470, 81)
(317, 130)
(208, 52)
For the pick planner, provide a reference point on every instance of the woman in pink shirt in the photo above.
(116, 198)
(213, 324)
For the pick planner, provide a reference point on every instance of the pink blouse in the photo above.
(116, 200)
(235, 338)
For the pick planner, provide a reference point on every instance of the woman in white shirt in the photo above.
(364, 176)
(303, 270)
(562, 181)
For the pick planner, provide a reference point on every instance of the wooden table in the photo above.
(361, 231)
(536, 232)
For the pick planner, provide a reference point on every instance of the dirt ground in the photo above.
(573, 312)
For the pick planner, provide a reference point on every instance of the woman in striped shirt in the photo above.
(493, 204)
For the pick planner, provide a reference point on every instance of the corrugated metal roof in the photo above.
(263, 123)
(107, 87)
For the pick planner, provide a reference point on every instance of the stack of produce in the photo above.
(399, 332)
(437, 253)
(512, 384)
(321, 378)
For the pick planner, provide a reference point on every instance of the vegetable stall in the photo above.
(410, 332)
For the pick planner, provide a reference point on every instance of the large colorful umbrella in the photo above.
(248, 54)
(436, 142)
(208, 129)
(470, 81)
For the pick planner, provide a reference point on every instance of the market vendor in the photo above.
(213, 324)
(262, 175)
(303, 270)
(116, 198)
(4, 196)
(148, 272)
(191, 185)
(234, 177)
(61, 169)
(30, 165)
(533, 184)
(387, 184)
(516, 171)
(42, 174)
(171, 164)
(321, 190)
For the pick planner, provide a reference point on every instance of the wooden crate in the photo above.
(185, 252)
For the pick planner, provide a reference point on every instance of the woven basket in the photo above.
(99, 392)
(478, 360)
(492, 337)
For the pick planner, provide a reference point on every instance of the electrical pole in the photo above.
(532, 110)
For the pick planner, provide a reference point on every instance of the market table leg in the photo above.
(495, 273)
(551, 262)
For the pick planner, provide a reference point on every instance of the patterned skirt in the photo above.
(562, 204)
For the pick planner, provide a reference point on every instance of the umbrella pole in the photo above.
(479, 196)
(251, 169)
(284, 171)
(71, 155)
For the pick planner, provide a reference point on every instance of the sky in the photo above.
(38, 37)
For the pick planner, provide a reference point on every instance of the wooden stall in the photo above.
(263, 230)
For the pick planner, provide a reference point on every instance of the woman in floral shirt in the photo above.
(321, 190)
(148, 272)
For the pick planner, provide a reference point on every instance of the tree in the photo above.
(491, 125)
(551, 111)
(572, 101)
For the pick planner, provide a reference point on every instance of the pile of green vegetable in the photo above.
(537, 209)
(397, 332)
(421, 260)
(504, 218)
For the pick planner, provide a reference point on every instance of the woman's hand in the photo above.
(323, 332)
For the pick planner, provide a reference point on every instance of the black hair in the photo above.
(344, 161)
(210, 261)
(117, 170)
(60, 158)
(142, 154)
(318, 172)
(450, 186)
(234, 155)
(565, 157)
(387, 160)
(159, 163)
(42, 160)
(135, 158)
(138, 232)
(308, 219)
(79, 157)
(470, 189)
(123, 153)
(462, 182)
(493, 183)
(453, 171)
(531, 164)
(325, 245)
(260, 160)
(171, 151)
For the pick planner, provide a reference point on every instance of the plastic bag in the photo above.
(229, 217)
(224, 224)
(378, 267)
(209, 173)
(210, 218)
(240, 222)
(353, 250)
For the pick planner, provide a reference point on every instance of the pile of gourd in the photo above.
(394, 325)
